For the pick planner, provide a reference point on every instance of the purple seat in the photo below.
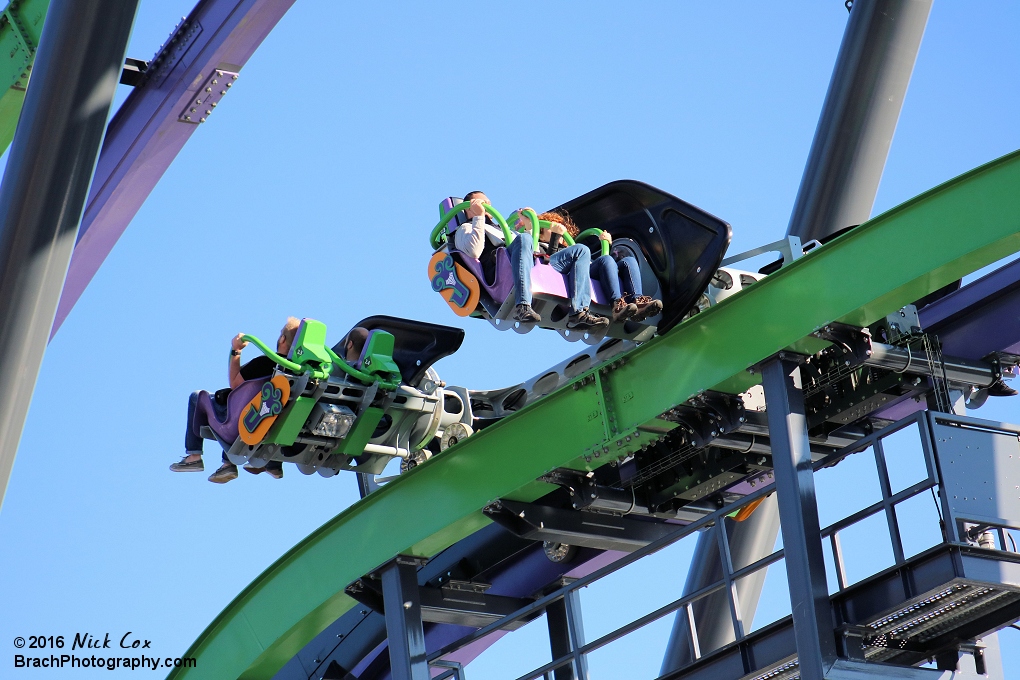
(548, 281)
(544, 279)
(503, 281)
(223, 419)
(501, 285)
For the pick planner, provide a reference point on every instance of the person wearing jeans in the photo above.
(573, 262)
(259, 367)
(621, 281)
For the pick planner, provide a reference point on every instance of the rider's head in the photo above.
(355, 343)
(477, 194)
(287, 334)
(562, 218)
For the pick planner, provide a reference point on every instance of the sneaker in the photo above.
(525, 313)
(183, 466)
(623, 310)
(646, 307)
(1000, 389)
(273, 467)
(224, 474)
(586, 321)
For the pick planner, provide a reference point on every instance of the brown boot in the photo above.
(646, 307)
(623, 310)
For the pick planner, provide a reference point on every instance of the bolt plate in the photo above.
(204, 101)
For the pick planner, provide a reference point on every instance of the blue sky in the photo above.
(326, 165)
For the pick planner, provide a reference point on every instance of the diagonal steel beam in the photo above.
(859, 116)
(44, 187)
(153, 124)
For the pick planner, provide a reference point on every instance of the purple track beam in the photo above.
(980, 318)
(151, 128)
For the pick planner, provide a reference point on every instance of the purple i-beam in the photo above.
(153, 124)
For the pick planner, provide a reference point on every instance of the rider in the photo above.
(573, 262)
(259, 367)
(620, 275)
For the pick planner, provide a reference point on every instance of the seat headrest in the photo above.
(377, 355)
(309, 344)
(445, 206)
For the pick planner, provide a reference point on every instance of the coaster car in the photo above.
(326, 415)
(677, 245)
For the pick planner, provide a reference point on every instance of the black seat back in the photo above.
(416, 344)
(683, 244)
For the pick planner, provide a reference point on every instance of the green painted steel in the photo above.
(264, 348)
(437, 237)
(590, 232)
(20, 27)
(895, 258)
(354, 443)
(313, 349)
(338, 362)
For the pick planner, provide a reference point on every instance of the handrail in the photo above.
(356, 374)
(536, 226)
(460, 207)
(594, 231)
(286, 363)
(320, 373)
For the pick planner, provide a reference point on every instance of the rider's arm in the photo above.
(470, 237)
(234, 367)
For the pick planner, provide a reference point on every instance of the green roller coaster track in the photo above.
(20, 27)
(895, 258)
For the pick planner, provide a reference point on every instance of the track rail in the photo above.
(894, 259)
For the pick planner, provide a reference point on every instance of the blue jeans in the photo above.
(522, 259)
(192, 440)
(573, 262)
(614, 275)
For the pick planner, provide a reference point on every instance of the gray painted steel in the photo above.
(750, 540)
(845, 164)
(404, 631)
(77, 68)
(566, 635)
(798, 511)
(862, 106)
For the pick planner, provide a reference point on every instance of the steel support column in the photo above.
(77, 67)
(851, 144)
(859, 116)
(566, 635)
(404, 633)
(798, 511)
(750, 540)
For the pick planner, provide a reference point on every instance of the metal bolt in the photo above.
(201, 120)
(407, 605)
(208, 89)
